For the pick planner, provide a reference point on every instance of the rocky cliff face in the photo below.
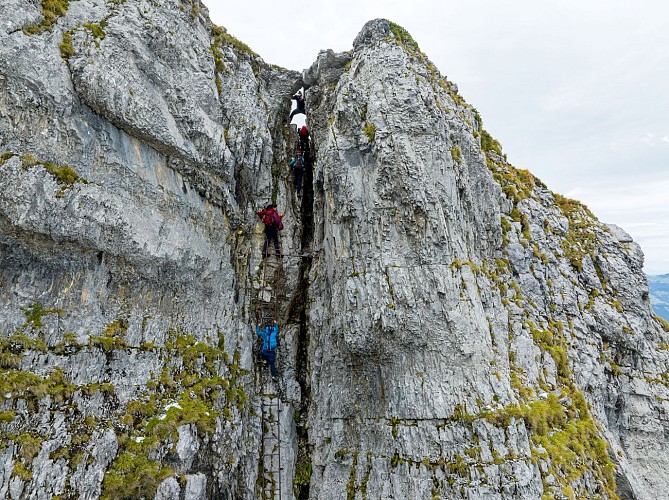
(493, 339)
(449, 327)
(137, 140)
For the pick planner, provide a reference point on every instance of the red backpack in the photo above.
(277, 220)
(272, 218)
(268, 217)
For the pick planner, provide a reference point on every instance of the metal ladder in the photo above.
(267, 310)
(271, 445)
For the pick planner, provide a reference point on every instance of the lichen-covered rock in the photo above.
(137, 142)
(491, 339)
(450, 328)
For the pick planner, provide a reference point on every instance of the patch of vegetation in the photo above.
(219, 67)
(66, 47)
(68, 345)
(32, 388)
(115, 328)
(563, 433)
(34, 314)
(6, 156)
(456, 154)
(112, 336)
(452, 91)
(29, 445)
(63, 174)
(51, 10)
(553, 341)
(365, 479)
(488, 143)
(370, 131)
(663, 322)
(581, 239)
(97, 31)
(302, 477)
(516, 184)
(403, 38)
(7, 416)
(19, 342)
(133, 475)
(188, 391)
(221, 37)
(350, 486)
(21, 471)
(458, 264)
(190, 409)
(479, 120)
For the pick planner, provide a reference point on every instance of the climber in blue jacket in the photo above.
(269, 336)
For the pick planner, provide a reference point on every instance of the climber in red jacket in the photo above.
(273, 225)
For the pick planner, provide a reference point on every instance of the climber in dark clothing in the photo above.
(297, 164)
(304, 138)
(269, 336)
(273, 225)
(300, 109)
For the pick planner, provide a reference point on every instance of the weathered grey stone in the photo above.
(327, 69)
(417, 336)
(169, 489)
(435, 303)
(196, 487)
(188, 445)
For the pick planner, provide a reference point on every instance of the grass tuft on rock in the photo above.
(52, 10)
(403, 37)
(133, 475)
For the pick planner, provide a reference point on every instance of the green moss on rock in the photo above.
(403, 37)
(22, 472)
(34, 314)
(488, 143)
(133, 476)
(302, 477)
(456, 154)
(64, 175)
(370, 131)
(221, 37)
(52, 10)
(581, 239)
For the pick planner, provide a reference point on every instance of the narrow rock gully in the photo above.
(284, 467)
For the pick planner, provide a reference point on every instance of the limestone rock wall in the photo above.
(492, 339)
(450, 327)
(137, 141)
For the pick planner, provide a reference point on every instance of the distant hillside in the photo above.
(659, 294)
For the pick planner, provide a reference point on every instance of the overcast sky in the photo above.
(577, 92)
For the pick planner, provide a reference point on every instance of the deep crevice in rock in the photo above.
(299, 313)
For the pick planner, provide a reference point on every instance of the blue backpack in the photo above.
(272, 342)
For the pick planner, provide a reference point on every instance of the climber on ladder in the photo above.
(297, 164)
(273, 225)
(269, 336)
(300, 109)
(304, 138)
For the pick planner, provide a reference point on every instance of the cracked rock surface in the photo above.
(492, 339)
(450, 328)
